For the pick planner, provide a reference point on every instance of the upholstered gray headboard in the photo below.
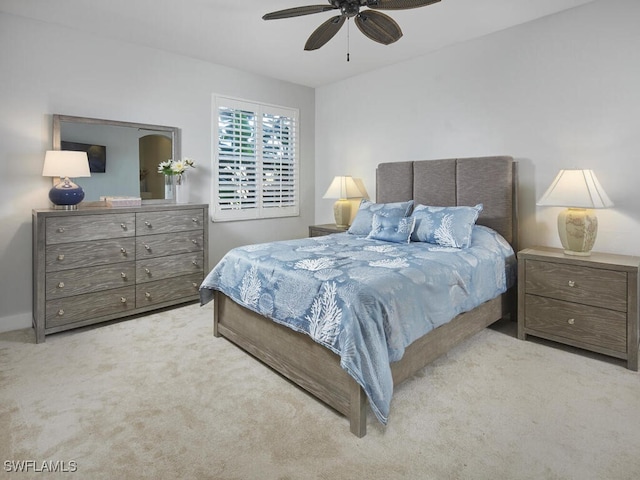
(491, 181)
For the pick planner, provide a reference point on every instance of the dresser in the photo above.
(586, 302)
(97, 263)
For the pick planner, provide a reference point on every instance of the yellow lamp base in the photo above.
(342, 212)
(578, 228)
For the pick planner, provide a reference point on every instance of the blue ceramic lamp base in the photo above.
(66, 195)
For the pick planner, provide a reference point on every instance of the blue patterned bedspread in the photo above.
(364, 299)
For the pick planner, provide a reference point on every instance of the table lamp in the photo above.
(342, 188)
(64, 164)
(580, 192)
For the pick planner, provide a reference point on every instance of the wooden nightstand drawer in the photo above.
(583, 324)
(586, 285)
(325, 229)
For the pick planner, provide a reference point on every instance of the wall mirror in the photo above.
(123, 156)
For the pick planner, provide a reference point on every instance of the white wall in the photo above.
(560, 92)
(45, 69)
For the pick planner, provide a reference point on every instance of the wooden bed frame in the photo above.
(488, 180)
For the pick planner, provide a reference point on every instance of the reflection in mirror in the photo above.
(123, 156)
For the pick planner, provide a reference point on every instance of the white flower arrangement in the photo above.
(175, 167)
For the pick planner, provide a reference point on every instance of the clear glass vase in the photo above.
(169, 187)
(182, 189)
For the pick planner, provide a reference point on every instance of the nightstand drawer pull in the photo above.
(123, 300)
(123, 275)
(147, 271)
(572, 283)
(123, 226)
(571, 321)
(123, 251)
(147, 247)
(148, 223)
(60, 312)
(60, 257)
(147, 295)
(195, 285)
(61, 285)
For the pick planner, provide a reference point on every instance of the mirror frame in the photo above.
(176, 145)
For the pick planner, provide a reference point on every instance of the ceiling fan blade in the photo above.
(378, 27)
(325, 32)
(398, 4)
(298, 11)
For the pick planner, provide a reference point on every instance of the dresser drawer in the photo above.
(185, 287)
(165, 267)
(65, 256)
(583, 324)
(169, 221)
(78, 228)
(81, 308)
(151, 246)
(585, 285)
(78, 281)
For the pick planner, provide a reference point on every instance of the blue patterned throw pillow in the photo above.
(362, 223)
(392, 229)
(445, 226)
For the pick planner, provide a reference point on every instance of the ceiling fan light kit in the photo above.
(375, 25)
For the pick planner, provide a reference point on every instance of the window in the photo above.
(255, 160)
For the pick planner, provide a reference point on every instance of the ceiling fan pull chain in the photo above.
(348, 31)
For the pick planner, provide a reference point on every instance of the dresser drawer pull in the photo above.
(194, 241)
(123, 226)
(195, 285)
(148, 223)
(194, 220)
(572, 283)
(60, 229)
(123, 275)
(147, 295)
(147, 271)
(60, 312)
(60, 257)
(123, 251)
(147, 247)
(571, 321)
(61, 285)
(123, 299)
(195, 262)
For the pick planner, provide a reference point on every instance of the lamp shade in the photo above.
(66, 163)
(577, 189)
(343, 187)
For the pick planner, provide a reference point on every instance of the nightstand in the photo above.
(586, 302)
(325, 229)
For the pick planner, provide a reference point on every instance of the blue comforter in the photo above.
(364, 299)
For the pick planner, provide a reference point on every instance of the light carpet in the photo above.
(159, 397)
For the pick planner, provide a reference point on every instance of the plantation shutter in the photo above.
(256, 160)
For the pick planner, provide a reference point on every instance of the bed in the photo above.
(314, 364)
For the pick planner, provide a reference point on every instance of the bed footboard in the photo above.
(318, 371)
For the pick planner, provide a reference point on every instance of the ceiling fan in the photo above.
(376, 25)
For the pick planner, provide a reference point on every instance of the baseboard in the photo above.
(15, 322)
